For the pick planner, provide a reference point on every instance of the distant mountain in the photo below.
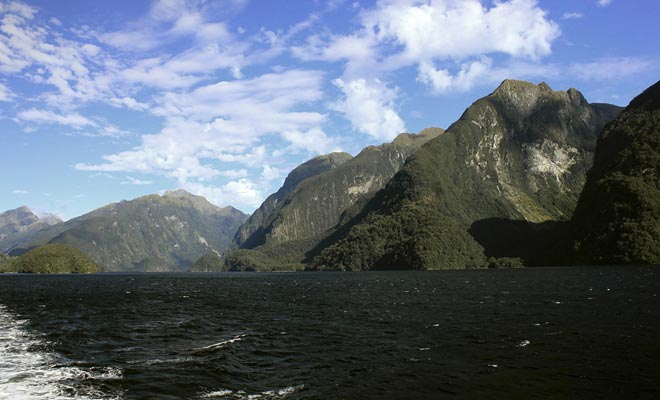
(316, 197)
(617, 220)
(491, 186)
(20, 225)
(150, 233)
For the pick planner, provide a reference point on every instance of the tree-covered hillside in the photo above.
(617, 220)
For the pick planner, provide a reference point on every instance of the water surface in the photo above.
(530, 333)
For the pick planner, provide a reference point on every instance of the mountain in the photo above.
(493, 185)
(293, 221)
(617, 220)
(20, 225)
(150, 233)
(253, 232)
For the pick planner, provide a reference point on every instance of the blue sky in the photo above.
(102, 101)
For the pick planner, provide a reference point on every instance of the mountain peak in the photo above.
(179, 193)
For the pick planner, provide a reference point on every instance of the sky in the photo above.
(102, 101)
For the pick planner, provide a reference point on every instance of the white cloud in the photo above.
(74, 120)
(5, 93)
(369, 105)
(443, 81)
(20, 191)
(133, 181)
(128, 102)
(572, 15)
(242, 193)
(447, 29)
(604, 3)
(223, 122)
(314, 141)
(611, 68)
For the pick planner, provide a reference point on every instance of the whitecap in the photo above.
(222, 343)
(29, 375)
(274, 394)
(524, 343)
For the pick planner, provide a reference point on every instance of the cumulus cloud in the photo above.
(460, 29)
(369, 105)
(242, 193)
(604, 3)
(313, 141)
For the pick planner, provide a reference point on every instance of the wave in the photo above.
(275, 394)
(29, 374)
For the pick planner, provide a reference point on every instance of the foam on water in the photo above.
(26, 373)
(242, 395)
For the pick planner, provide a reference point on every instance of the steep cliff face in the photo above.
(150, 233)
(253, 232)
(292, 221)
(518, 154)
(617, 220)
(20, 225)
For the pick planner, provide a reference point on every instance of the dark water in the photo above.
(532, 333)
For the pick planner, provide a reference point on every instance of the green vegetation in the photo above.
(209, 262)
(617, 220)
(416, 236)
(150, 233)
(285, 231)
(54, 259)
(505, 262)
(519, 154)
(5, 261)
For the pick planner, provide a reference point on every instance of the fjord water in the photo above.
(530, 333)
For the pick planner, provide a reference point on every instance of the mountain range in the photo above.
(527, 175)
(150, 233)
(20, 225)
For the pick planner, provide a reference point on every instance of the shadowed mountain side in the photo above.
(617, 220)
(537, 244)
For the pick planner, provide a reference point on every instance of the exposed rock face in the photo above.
(520, 154)
(617, 220)
(20, 225)
(253, 232)
(304, 212)
(150, 233)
